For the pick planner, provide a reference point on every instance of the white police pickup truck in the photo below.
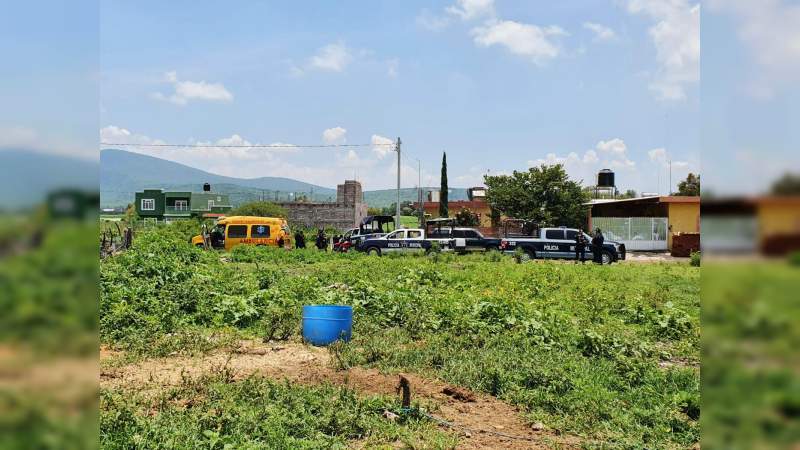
(399, 241)
(559, 243)
(409, 240)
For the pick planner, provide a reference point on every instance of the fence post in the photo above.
(630, 219)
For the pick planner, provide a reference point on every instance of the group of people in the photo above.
(596, 246)
(321, 240)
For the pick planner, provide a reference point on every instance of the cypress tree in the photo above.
(443, 207)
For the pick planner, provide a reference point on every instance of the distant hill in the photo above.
(123, 173)
(386, 197)
(27, 176)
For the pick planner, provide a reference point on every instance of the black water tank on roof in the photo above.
(206, 187)
(605, 178)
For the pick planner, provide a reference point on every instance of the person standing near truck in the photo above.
(580, 246)
(597, 246)
(299, 239)
(322, 240)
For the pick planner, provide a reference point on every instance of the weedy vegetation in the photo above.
(606, 353)
(751, 333)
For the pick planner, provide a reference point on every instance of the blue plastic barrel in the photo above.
(324, 324)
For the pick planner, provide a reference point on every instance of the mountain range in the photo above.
(123, 173)
(27, 176)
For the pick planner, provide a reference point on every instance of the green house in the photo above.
(156, 205)
(73, 203)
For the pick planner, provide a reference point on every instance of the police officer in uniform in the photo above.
(322, 240)
(580, 246)
(299, 239)
(597, 246)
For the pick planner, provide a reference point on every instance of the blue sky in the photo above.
(498, 84)
(49, 71)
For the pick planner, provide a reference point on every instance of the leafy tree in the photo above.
(466, 218)
(259, 208)
(130, 216)
(443, 206)
(406, 209)
(372, 211)
(543, 194)
(788, 184)
(630, 193)
(690, 186)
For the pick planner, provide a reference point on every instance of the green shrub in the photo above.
(694, 259)
(794, 259)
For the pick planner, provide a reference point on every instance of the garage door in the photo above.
(637, 233)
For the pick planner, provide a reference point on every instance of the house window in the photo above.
(148, 204)
(210, 204)
(181, 205)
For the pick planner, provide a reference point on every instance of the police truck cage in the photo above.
(376, 224)
(520, 228)
(435, 226)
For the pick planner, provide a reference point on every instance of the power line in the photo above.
(248, 146)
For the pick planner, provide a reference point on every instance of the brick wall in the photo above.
(346, 213)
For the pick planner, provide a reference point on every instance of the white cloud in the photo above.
(658, 155)
(392, 67)
(251, 159)
(615, 146)
(113, 134)
(601, 32)
(770, 31)
(676, 36)
(531, 41)
(18, 136)
(661, 157)
(471, 9)
(336, 135)
(382, 146)
(432, 22)
(332, 57)
(605, 154)
(193, 90)
(295, 71)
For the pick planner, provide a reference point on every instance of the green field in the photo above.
(605, 355)
(751, 336)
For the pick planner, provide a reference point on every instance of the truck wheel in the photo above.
(374, 251)
(529, 255)
(606, 257)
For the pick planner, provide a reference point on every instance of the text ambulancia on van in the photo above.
(229, 232)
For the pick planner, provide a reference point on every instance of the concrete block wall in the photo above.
(349, 193)
(346, 213)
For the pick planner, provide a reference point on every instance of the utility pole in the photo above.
(397, 220)
(669, 191)
(420, 203)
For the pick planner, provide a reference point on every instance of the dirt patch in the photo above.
(653, 257)
(482, 419)
(459, 394)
